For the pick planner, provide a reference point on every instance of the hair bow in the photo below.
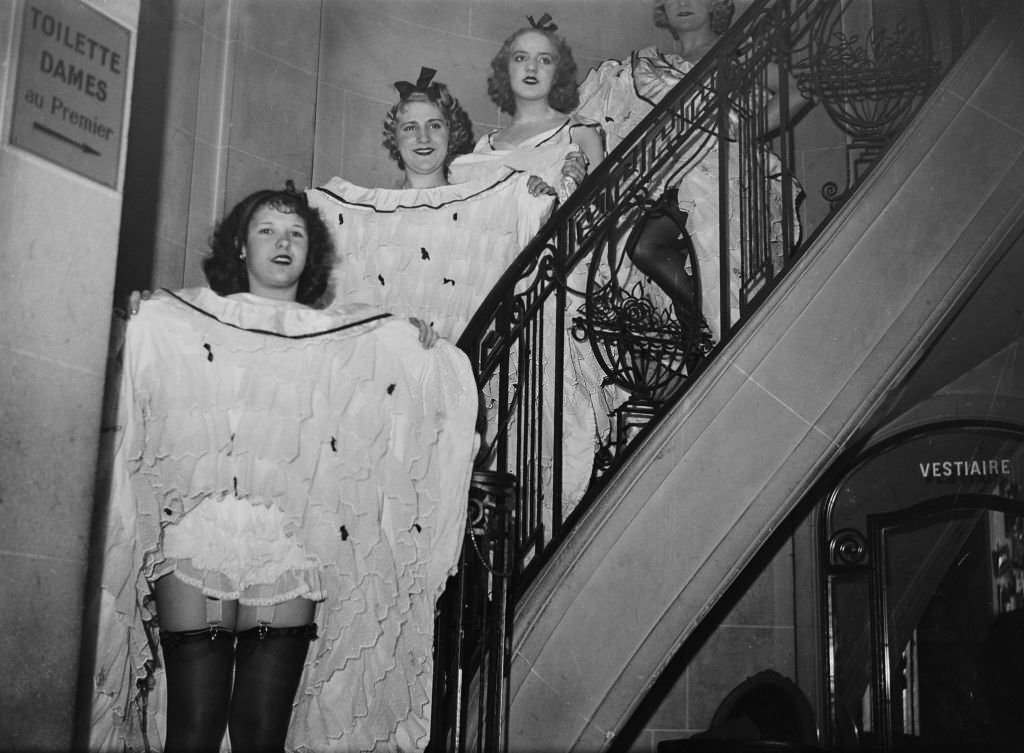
(405, 89)
(543, 24)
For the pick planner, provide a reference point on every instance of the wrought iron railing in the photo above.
(573, 300)
(474, 625)
(574, 295)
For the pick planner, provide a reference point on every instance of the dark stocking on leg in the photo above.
(198, 665)
(268, 666)
(658, 245)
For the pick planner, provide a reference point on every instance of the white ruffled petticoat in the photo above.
(235, 550)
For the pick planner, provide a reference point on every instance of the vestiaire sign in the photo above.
(69, 95)
(937, 470)
(927, 464)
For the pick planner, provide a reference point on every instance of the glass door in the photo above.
(923, 563)
(934, 603)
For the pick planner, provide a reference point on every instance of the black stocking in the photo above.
(268, 666)
(659, 246)
(198, 665)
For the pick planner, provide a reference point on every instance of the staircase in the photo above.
(799, 381)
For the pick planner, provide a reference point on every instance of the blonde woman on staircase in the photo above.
(437, 245)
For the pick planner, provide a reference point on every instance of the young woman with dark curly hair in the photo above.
(533, 80)
(227, 268)
(277, 464)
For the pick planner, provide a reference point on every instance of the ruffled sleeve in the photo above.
(618, 94)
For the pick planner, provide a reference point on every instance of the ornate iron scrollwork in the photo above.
(870, 85)
(641, 342)
(488, 523)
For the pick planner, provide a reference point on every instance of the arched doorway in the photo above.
(923, 558)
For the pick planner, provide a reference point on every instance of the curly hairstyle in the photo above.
(224, 266)
(564, 95)
(721, 16)
(460, 127)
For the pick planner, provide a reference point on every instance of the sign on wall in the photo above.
(69, 97)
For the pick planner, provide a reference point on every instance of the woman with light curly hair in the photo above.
(427, 248)
(619, 94)
(533, 83)
(444, 124)
(437, 245)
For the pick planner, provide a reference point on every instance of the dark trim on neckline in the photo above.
(423, 205)
(305, 336)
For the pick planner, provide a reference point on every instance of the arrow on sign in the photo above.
(57, 135)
